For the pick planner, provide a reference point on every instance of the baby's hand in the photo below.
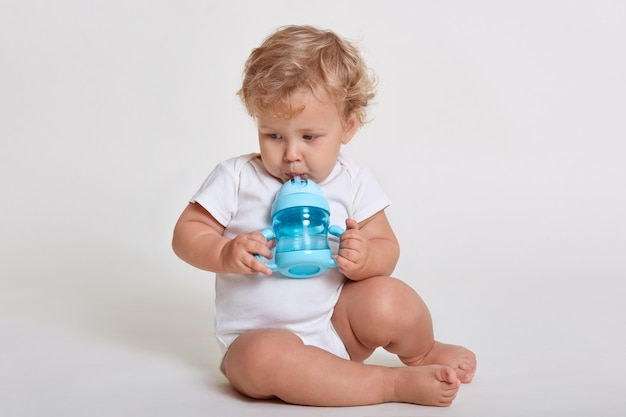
(354, 250)
(238, 254)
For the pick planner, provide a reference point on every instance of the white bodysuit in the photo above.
(239, 193)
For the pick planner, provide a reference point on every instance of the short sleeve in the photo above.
(218, 193)
(368, 196)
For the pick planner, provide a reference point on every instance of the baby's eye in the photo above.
(274, 135)
(309, 137)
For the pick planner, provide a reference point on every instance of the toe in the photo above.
(448, 374)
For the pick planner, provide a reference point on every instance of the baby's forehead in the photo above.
(294, 103)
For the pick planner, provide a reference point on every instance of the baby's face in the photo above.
(306, 144)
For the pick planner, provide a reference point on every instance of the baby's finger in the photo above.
(257, 244)
(351, 224)
(257, 236)
(256, 265)
(260, 249)
(348, 242)
(345, 265)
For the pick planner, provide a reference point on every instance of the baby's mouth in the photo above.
(293, 176)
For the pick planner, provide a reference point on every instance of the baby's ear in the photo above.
(351, 126)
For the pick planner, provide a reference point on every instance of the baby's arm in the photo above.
(368, 249)
(198, 240)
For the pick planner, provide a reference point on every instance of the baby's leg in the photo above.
(275, 363)
(386, 312)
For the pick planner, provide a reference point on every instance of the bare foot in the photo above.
(425, 385)
(462, 360)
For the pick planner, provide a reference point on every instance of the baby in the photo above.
(305, 340)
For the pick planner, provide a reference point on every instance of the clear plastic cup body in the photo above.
(301, 228)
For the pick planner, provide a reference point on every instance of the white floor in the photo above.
(81, 342)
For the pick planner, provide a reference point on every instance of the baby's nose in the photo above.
(292, 153)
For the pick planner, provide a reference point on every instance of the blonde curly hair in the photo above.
(296, 57)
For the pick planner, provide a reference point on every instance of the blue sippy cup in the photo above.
(300, 217)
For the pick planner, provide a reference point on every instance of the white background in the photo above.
(498, 132)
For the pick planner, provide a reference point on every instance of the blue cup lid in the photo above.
(297, 193)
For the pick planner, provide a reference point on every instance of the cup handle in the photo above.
(335, 231)
(269, 235)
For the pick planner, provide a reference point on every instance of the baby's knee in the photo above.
(257, 349)
(253, 358)
(397, 304)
